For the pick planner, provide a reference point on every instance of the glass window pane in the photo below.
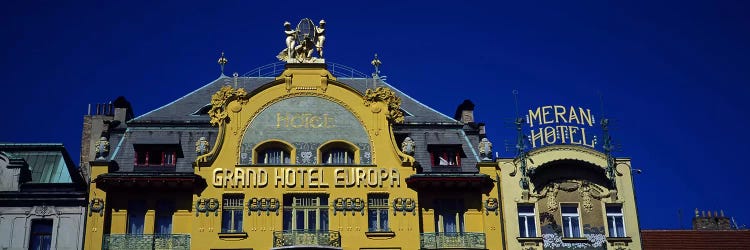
(620, 226)
(324, 219)
(311, 219)
(570, 209)
(614, 209)
(575, 227)
(300, 220)
(384, 220)
(287, 219)
(372, 219)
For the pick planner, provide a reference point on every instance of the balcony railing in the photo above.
(322, 238)
(147, 241)
(452, 240)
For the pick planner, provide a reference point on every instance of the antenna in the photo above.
(515, 100)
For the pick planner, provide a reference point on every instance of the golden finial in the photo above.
(375, 62)
(222, 61)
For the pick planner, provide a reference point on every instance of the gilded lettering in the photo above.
(239, 177)
(340, 176)
(227, 177)
(289, 177)
(262, 178)
(280, 119)
(372, 177)
(395, 178)
(302, 173)
(535, 116)
(312, 177)
(573, 116)
(573, 131)
(549, 135)
(586, 116)
(218, 180)
(545, 112)
(279, 177)
(560, 114)
(536, 136)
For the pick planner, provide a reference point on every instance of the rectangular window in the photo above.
(526, 221)
(449, 215)
(162, 155)
(308, 212)
(41, 235)
(231, 213)
(377, 213)
(136, 216)
(615, 221)
(163, 222)
(445, 155)
(571, 221)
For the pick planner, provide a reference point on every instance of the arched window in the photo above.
(273, 153)
(338, 153)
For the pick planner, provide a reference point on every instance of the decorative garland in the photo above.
(96, 205)
(348, 204)
(207, 205)
(491, 204)
(263, 204)
(404, 205)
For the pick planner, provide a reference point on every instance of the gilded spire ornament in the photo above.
(222, 61)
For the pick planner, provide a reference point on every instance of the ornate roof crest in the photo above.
(301, 42)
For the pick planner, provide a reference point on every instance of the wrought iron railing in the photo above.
(452, 240)
(147, 241)
(275, 69)
(306, 238)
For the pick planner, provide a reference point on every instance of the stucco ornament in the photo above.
(96, 205)
(102, 148)
(408, 146)
(221, 99)
(301, 41)
(485, 149)
(389, 98)
(201, 146)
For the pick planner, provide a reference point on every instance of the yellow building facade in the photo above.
(307, 159)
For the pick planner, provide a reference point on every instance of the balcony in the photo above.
(452, 241)
(322, 239)
(147, 241)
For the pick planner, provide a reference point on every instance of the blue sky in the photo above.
(673, 75)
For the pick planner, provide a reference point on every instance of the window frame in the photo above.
(136, 214)
(329, 146)
(378, 203)
(42, 237)
(525, 233)
(317, 203)
(143, 155)
(164, 210)
(452, 207)
(234, 208)
(569, 228)
(454, 152)
(612, 217)
(263, 148)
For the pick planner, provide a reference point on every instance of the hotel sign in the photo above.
(557, 124)
(312, 177)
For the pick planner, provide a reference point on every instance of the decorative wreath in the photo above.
(96, 205)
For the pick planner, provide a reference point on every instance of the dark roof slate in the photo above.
(183, 110)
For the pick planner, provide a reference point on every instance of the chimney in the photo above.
(465, 112)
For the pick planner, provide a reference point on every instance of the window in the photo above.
(306, 212)
(273, 156)
(41, 235)
(136, 216)
(445, 155)
(571, 221)
(526, 222)
(231, 213)
(155, 155)
(377, 213)
(615, 221)
(449, 215)
(163, 222)
(338, 156)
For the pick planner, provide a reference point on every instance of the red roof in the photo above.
(695, 239)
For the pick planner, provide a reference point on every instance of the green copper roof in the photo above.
(46, 161)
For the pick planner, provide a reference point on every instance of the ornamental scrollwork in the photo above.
(207, 205)
(260, 205)
(96, 205)
(491, 204)
(221, 98)
(404, 205)
(348, 204)
(387, 96)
